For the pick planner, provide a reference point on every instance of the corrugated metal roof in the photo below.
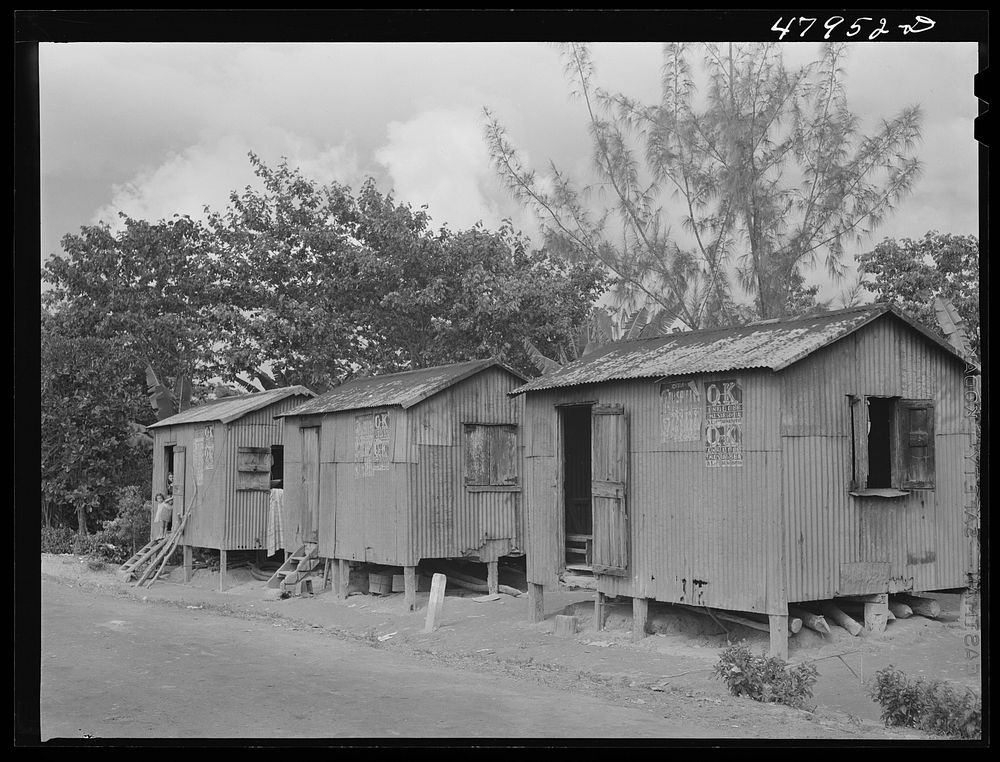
(229, 409)
(772, 344)
(404, 389)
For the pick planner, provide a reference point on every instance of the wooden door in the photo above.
(179, 484)
(609, 475)
(310, 484)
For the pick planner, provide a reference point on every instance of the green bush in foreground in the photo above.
(931, 705)
(766, 679)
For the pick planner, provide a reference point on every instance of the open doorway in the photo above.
(168, 470)
(576, 468)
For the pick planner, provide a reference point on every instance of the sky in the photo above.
(157, 129)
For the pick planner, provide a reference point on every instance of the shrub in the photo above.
(120, 537)
(766, 679)
(931, 705)
(57, 539)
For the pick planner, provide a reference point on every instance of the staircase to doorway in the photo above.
(299, 566)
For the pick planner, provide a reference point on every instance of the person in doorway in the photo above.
(164, 511)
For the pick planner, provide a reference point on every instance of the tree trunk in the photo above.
(81, 520)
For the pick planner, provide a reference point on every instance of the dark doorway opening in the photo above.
(277, 466)
(577, 487)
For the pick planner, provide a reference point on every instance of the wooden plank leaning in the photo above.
(163, 554)
(174, 539)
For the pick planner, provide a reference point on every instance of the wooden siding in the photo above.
(698, 534)
(919, 535)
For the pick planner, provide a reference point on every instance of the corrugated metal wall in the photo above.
(222, 517)
(919, 535)
(700, 535)
(418, 506)
(449, 520)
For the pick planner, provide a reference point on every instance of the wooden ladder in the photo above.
(303, 563)
(128, 569)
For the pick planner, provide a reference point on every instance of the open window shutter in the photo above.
(609, 438)
(859, 422)
(915, 441)
(503, 455)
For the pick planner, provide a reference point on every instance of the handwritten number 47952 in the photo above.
(921, 24)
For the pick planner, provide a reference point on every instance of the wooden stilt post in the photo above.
(223, 561)
(779, 635)
(435, 603)
(600, 610)
(410, 587)
(343, 578)
(640, 615)
(877, 613)
(536, 602)
(188, 563)
(492, 578)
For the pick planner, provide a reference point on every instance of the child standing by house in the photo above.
(164, 511)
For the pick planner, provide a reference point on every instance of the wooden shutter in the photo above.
(253, 468)
(609, 474)
(491, 455)
(915, 444)
(476, 463)
(859, 422)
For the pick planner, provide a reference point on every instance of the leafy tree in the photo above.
(332, 285)
(912, 273)
(88, 443)
(765, 166)
(151, 288)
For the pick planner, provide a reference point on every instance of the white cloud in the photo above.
(439, 158)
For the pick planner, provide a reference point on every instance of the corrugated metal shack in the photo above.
(752, 467)
(221, 458)
(424, 464)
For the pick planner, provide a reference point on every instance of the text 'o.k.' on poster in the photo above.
(723, 423)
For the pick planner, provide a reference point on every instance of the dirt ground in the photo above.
(674, 662)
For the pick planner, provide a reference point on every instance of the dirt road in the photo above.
(116, 668)
(186, 660)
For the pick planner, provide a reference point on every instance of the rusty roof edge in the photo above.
(939, 340)
(478, 367)
(290, 390)
(879, 311)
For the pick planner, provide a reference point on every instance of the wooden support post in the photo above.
(877, 614)
(900, 610)
(565, 625)
(436, 602)
(810, 620)
(492, 578)
(779, 635)
(188, 563)
(343, 578)
(410, 587)
(927, 607)
(536, 602)
(640, 616)
(600, 610)
(837, 615)
(223, 561)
